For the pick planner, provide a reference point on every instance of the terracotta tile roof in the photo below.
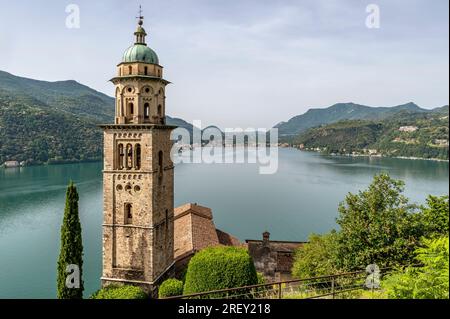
(227, 239)
(190, 208)
(276, 245)
(194, 229)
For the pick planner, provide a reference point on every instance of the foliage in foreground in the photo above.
(316, 258)
(170, 287)
(71, 250)
(219, 267)
(431, 281)
(261, 279)
(378, 225)
(435, 216)
(119, 292)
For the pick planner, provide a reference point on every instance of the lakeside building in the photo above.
(10, 164)
(195, 230)
(408, 128)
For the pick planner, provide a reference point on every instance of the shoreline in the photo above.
(52, 164)
(377, 156)
(291, 147)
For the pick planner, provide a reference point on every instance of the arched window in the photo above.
(130, 109)
(128, 214)
(145, 70)
(146, 111)
(160, 110)
(137, 150)
(159, 73)
(129, 156)
(130, 69)
(120, 157)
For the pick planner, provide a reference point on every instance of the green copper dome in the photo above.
(140, 53)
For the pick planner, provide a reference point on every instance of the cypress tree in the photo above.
(71, 250)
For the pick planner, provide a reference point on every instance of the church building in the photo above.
(146, 240)
(138, 229)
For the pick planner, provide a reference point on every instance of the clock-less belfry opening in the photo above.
(138, 231)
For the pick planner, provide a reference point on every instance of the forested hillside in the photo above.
(53, 122)
(405, 134)
(339, 112)
(30, 131)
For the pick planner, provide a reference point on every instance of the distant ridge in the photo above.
(53, 122)
(69, 96)
(404, 134)
(343, 111)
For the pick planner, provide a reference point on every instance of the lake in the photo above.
(301, 198)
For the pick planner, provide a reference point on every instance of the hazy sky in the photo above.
(247, 63)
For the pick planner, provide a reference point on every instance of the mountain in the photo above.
(420, 134)
(339, 112)
(69, 96)
(49, 122)
(442, 109)
(65, 96)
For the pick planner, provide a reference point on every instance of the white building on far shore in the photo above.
(9, 164)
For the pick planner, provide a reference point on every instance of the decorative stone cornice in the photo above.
(139, 77)
(137, 126)
(139, 172)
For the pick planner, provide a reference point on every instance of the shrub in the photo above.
(431, 281)
(260, 292)
(170, 287)
(219, 267)
(182, 276)
(120, 292)
(317, 257)
(371, 294)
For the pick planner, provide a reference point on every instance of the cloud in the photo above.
(248, 62)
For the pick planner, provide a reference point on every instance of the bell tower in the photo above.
(138, 174)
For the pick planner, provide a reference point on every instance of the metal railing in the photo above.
(343, 285)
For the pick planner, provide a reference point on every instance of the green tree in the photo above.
(317, 257)
(431, 281)
(220, 267)
(71, 250)
(378, 225)
(435, 216)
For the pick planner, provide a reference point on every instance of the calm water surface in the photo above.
(302, 197)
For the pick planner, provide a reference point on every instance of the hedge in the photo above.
(120, 292)
(219, 267)
(170, 287)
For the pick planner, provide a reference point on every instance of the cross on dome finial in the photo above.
(140, 32)
(140, 17)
